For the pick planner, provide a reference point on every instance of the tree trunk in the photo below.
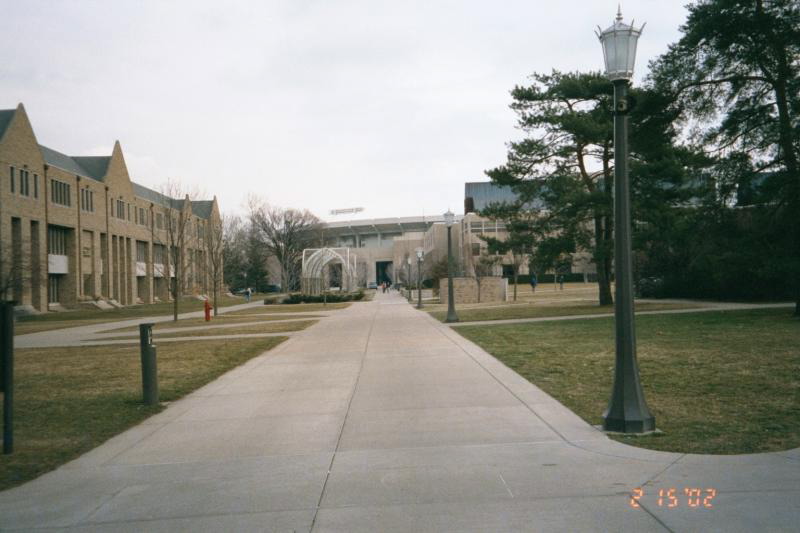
(216, 290)
(515, 283)
(478, 281)
(175, 299)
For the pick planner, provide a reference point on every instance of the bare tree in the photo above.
(13, 273)
(176, 211)
(284, 234)
(484, 267)
(214, 238)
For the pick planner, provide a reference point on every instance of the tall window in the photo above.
(120, 209)
(56, 241)
(36, 185)
(159, 221)
(141, 251)
(60, 193)
(24, 183)
(142, 216)
(13, 178)
(87, 200)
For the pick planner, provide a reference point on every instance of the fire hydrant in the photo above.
(207, 308)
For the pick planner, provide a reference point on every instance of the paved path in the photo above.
(93, 334)
(378, 418)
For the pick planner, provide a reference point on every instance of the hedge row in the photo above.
(299, 298)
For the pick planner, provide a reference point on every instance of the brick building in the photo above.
(77, 229)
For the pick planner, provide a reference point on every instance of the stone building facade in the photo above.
(77, 229)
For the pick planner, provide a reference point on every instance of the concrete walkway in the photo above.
(378, 418)
(93, 334)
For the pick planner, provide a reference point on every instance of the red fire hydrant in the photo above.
(207, 307)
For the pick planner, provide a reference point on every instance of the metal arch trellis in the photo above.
(316, 259)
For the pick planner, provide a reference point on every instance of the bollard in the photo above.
(7, 373)
(149, 370)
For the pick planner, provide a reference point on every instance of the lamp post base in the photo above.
(629, 426)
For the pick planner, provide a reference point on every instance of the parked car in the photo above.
(372, 285)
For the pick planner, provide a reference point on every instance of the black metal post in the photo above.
(419, 282)
(149, 368)
(627, 411)
(408, 281)
(451, 307)
(7, 373)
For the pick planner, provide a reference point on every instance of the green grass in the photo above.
(723, 382)
(70, 400)
(291, 308)
(517, 310)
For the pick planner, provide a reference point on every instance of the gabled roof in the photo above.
(95, 165)
(64, 162)
(202, 208)
(5, 119)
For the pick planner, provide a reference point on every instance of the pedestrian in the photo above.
(247, 294)
(533, 282)
(561, 281)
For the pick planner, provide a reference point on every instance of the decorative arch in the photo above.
(315, 260)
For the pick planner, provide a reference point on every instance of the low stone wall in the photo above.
(426, 294)
(465, 290)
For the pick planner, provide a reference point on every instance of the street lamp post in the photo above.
(627, 410)
(449, 218)
(420, 253)
(408, 279)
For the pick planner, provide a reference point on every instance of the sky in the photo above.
(385, 105)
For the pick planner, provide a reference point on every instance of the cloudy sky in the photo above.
(386, 105)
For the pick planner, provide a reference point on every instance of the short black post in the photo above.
(149, 369)
(7, 373)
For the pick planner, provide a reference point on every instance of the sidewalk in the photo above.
(379, 418)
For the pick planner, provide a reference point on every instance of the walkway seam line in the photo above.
(443, 329)
(344, 421)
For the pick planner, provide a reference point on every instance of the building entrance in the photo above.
(383, 272)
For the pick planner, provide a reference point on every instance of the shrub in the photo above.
(299, 298)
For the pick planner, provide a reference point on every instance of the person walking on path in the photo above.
(533, 282)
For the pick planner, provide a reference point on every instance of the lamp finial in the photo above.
(619, 13)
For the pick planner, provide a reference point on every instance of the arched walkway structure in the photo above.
(316, 259)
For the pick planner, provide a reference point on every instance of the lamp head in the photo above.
(420, 253)
(449, 218)
(619, 48)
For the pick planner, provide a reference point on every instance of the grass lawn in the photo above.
(214, 322)
(724, 382)
(84, 317)
(70, 400)
(291, 308)
(267, 327)
(503, 312)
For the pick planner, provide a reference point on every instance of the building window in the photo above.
(36, 185)
(159, 221)
(87, 200)
(60, 193)
(141, 251)
(56, 241)
(142, 216)
(476, 248)
(200, 230)
(120, 210)
(11, 174)
(158, 254)
(24, 183)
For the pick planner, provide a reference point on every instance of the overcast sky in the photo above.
(386, 105)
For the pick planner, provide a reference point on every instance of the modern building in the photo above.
(77, 229)
(385, 248)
